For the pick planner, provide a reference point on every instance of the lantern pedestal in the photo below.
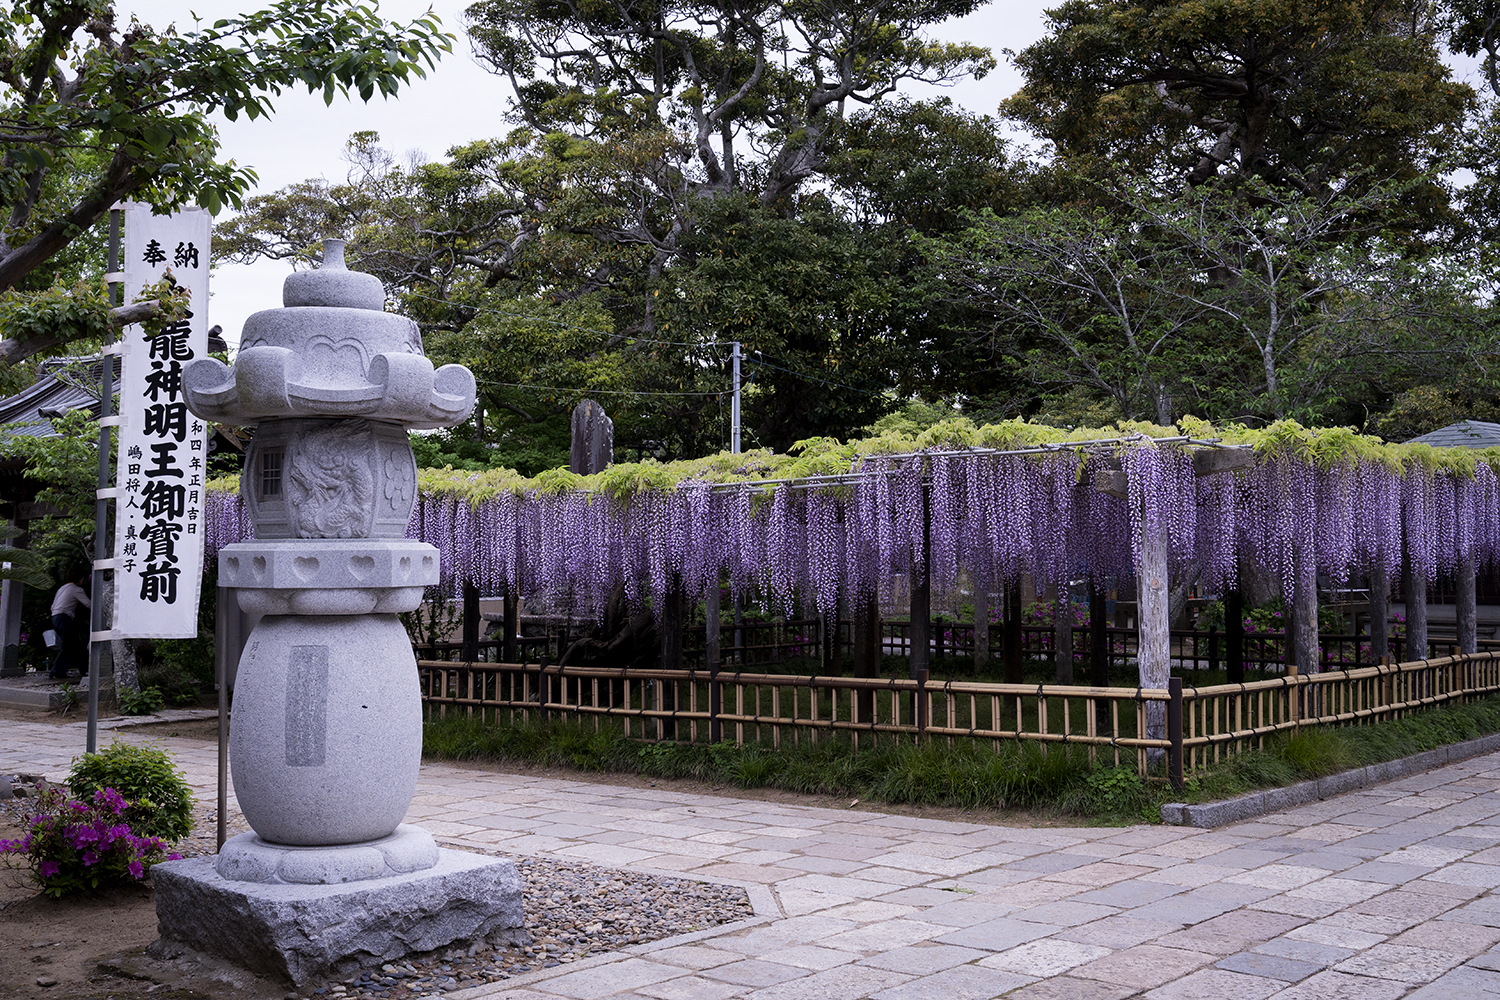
(310, 933)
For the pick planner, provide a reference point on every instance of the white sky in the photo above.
(457, 103)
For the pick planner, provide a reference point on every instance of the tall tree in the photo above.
(91, 115)
(1306, 96)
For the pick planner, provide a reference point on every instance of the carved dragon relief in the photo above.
(330, 482)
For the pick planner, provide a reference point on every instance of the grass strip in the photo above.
(970, 774)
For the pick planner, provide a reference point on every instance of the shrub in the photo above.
(159, 801)
(72, 845)
(140, 702)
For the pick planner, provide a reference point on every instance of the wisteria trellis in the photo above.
(993, 515)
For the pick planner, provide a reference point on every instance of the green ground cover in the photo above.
(970, 774)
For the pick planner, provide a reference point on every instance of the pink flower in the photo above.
(47, 869)
(136, 869)
(90, 858)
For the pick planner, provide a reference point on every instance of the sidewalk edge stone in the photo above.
(1211, 814)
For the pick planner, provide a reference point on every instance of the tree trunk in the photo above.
(1467, 608)
(1154, 646)
(1062, 624)
(1380, 612)
(981, 626)
(1414, 587)
(1304, 603)
(1013, 638)
(866, 648)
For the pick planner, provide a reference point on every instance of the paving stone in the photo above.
(967, 982)
(1121, 932)
(754, 972)
(966, 912)
(1221, 984)
(1184, 909)
(1069, 988)
(1336, 889)
(1145, 966)
(1467, 873)
(1232, 932)
(808, 956)
(1463, 983)
(1132, 892)
(603, 980)
(1401, 963)
(883, 935)
(850, 982)
(921, 959)
(1254, 963)
(1045, 957)
(1458, 938)
(1278, 877)
(998, 935)
(1323, 932)
(688, 988)
(1341, 986)
(1065, 913)
(693, 956)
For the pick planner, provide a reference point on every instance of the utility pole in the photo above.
(734, 408)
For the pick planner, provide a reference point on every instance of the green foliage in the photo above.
(160, 801)
(181, 666)
(142, 701)
(94, 118)
(971, 774)
(71, 846)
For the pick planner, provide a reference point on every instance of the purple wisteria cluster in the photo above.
(72, 844)
(991, 516)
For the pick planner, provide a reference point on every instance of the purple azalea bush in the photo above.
(71, 844)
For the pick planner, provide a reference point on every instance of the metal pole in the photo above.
(102, 549)
(734, 407)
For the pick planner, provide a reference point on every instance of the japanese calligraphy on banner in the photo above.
(163, 449)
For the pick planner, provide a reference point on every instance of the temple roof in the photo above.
(1464, 434)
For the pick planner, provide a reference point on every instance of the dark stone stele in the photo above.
(311, 933)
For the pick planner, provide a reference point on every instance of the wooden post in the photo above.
(471, 622)
(866, 650)
(670, 624)
(1154, 645)
(1062, 628)
(1304, 601)
(921, 593)
(1467, 608)
(1414, 589)
(981, 624)
(1099, 653)
(1174, 733)
(1380, 611)
(1234, 636)
(1013, 640)
(711, 658)
(511, 623)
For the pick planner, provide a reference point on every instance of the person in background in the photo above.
(64, 606)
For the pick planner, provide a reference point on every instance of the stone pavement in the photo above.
(1375, 895)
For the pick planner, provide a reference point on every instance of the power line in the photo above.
(591, 392)
(812, 378)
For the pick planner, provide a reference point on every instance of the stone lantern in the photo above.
(326, 730)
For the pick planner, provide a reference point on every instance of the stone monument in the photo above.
(326, 730)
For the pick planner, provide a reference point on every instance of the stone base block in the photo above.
(308, 933)
(247, 858)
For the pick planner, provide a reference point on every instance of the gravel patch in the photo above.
(573, 910)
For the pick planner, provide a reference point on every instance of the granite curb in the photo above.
(1211, 814)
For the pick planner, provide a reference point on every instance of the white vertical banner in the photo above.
(163, 448)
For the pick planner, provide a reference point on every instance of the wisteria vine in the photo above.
(984, 516)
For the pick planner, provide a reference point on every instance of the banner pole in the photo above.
(102, 549)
